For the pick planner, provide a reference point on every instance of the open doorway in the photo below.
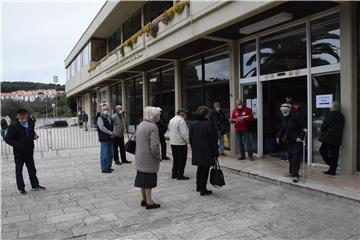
(274, 94)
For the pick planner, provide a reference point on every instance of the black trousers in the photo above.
(163, 145)
(330, 154)
(30, 165)
(119, 142)
(202, 175)
(179, 153)
(294, 157)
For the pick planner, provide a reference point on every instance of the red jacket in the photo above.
(241, 118)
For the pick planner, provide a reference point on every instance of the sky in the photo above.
(37, 36)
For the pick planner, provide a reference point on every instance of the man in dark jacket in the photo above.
(162, 126)
(203, 141)
(292, 134)
(21, 136)
(331, 136)
(218, 118)
(85, 119)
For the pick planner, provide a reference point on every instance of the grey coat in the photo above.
(147, 153)
(119, 124)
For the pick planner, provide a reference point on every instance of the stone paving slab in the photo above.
(82, 203)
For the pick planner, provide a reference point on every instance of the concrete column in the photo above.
(123, 95)
(348, 85)
(234, 89)
(145, 91)
(177, 79)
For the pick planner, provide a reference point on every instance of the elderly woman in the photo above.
(203, 141)
(147, 155)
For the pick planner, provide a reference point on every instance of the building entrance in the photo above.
(274, 94)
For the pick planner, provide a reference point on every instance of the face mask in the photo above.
(217, 109)
(240, 106)
(106, 113)
(22, 121)
(285, 114)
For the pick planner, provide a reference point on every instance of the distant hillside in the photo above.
(15, 86)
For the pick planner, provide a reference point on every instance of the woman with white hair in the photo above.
(147, 155)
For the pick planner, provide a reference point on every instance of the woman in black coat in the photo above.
(203, 141)
(331, 136)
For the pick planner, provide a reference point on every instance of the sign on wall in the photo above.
(324, 101)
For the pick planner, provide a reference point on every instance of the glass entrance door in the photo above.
(325, 89)
(249, 96)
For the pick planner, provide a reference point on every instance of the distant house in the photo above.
(32, 95)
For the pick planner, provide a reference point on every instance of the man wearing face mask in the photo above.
(105, 130)
(218, 118)
(291, 133)
(21, 136)
(119, 130)
(241, 117)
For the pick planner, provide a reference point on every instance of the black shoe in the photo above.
(38, 188)
(143, 203)
(126, 161)
(241, 158)
(330, 173)
(23, 192)
(296, 179)
(117, 162)
(205, 192)
(106, 171)
(182, 178)
(165, 158)
(153, 206)
(111, 169)
(223, 154)
(197, 188)
(173, 176)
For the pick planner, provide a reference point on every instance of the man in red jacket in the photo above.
(241, 117)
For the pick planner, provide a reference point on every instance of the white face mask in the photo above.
(106, 113)
(285, 114)
(217, 109)
(240, 106)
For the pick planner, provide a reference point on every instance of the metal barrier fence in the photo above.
(55, 139)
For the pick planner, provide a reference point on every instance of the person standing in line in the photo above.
(331, 137)
(119, 130)
(4, 127)
(179, 139)
(147, 156)
(241, 117)
(106, 135)
(85, 119)
(21, 136)
(218, 118)
(203, 141)
(292, 134)
(162, 130)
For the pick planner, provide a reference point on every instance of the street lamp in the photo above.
(53, 106)
(55, 79)
(44, 95)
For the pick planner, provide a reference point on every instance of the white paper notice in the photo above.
(324, 101)
(254, 107)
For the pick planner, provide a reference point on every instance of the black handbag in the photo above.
(216, 175)
(130, 145)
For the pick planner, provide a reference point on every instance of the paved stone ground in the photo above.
(83, 203)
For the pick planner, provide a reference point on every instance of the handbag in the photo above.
(130, 145)
(216, 175)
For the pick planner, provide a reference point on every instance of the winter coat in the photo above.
(241, 124)
(292, 127)
(219, 120)
(147, 153)
(119, 124)
(179, 132)
(162, 126)
(203, 141)
(332, 128)
(23, 146)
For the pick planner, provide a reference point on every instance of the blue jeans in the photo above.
(221, 142)
(106, 155)
(244, 136)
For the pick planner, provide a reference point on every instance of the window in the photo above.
(132, 25)
(248, 59)
(325, 40)
(153, 9)
(134, 101)
(116, 94)
(98, 49)
(283, 51)
(86, 55)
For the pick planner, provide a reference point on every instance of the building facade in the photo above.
(176, 54)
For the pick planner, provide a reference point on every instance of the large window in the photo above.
(98, 49)
(116, 95)
(114, 40)
(162, 91)
(132, 25)
(153, 9)
(248, 59)
(134, 101)
(325, 40)
(283, 51)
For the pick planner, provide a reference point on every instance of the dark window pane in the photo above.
(98, 49)
(248, 59)
(134, 101)
(153, 9)
(325, 40)
(283, 51)
(132, 25)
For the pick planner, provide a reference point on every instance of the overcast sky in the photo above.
(38, 35)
